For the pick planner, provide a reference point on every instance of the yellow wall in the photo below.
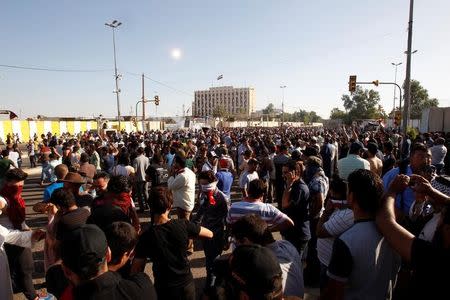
(25, 128)
(55, 127)
(70, 126)
(6, 127)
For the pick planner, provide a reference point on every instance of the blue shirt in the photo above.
(225, 181)
(169, 159)
(408, 194)
(50, 189)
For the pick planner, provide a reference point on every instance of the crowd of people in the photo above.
(360, 215)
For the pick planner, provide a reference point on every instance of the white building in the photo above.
(235, 101)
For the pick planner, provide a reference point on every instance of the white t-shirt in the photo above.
(339, 221)
(14, 156)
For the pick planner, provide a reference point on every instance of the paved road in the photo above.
(33, 194)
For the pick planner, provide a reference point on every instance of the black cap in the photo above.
(254, 267)
(83, 247)
(355, 147)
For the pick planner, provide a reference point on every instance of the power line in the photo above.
(161, 83)
(48, 69)
(52, 69)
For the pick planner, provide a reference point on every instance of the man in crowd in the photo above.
(182, 185)
(248, 175)
(419, 159)
(254, 204)
(281, 159)
(353, 161)
(295, 203)
(362, 265)
(141, 164)
(85, 257)
(430, 261)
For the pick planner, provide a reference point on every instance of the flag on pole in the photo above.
(219, 77)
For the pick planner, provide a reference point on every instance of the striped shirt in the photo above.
(269, 213)
(339, 221)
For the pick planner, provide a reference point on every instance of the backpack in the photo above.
(158, 175)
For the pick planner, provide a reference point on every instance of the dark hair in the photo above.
(181, 161)
(418, 147)
(388, 146)
(338, 185)
(291, 165)
(5, 152)
(207, 175)
(119, 184)
(372, 148)
(251, 227)
(122, 238)
(101, 174)
(157, 158)
(124, 159)
(160, 200)
(256, 188)
(140, 150)
(63, 198)
(15, 175)
(84, 157)
(367, 189)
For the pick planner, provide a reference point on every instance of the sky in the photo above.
(311, 47)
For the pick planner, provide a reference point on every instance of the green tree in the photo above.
(220, 112)
(420, 100)
(363, 104)
(270, 109)
(336, 113)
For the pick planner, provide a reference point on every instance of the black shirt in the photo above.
(111, 286)
(431, 266)
(166, 245)
(212, 215)
(298, 211)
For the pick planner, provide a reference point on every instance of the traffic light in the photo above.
(156, 100)
(352, 83)
(134, 121)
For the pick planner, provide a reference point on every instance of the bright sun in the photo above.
(175, 53)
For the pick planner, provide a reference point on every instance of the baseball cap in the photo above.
(83, 247)
(254, 268)
(356, 147)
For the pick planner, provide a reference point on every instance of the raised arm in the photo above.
(399, 238)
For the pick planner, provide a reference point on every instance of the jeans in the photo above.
(21, 266)
(142, 194)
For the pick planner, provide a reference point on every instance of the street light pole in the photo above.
(395, 89)
(282, 104)
(114, 24)
(408, 69)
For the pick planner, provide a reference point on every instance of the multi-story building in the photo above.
(234, 101)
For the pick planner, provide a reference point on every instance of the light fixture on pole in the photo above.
(113, 25)
(395, 89)
(282, 87)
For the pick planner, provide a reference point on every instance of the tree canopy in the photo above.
(420, 100)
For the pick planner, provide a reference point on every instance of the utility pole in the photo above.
(143, 105)
(113, 25)
(407, 105)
